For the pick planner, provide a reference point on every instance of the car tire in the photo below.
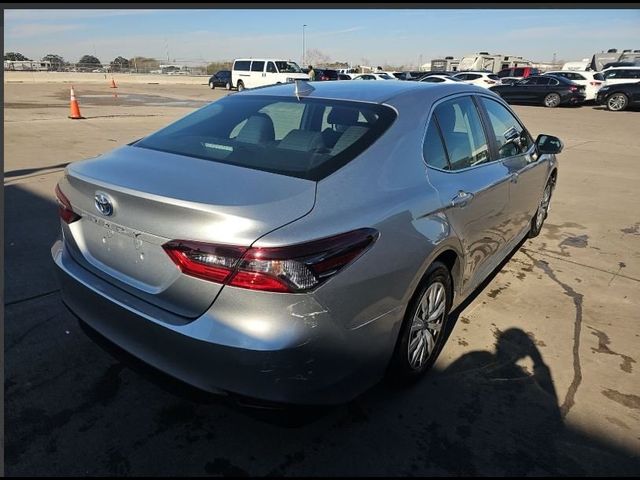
(552, 100)
(228, 86)
(617, 102)
(212, 86)
(240, 86)
(408, 364)
(543, 210)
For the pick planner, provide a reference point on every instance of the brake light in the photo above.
(573, 89)
(65, 210)
(292, 269)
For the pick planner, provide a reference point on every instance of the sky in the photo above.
(366, 36)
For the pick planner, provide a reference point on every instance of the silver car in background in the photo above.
(294, 243)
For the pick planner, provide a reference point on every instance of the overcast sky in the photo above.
(379, 36)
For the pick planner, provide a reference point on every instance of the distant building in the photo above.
(27, 65)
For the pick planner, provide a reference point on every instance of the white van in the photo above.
(258, 72)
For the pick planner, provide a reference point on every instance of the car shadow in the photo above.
(72, 409)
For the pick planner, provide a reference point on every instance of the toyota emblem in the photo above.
(103, 204)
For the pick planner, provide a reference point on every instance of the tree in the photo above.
(316, 57)
(57, 62)
(15, 56)
(119, 64)
(89, 61)
(217, 66)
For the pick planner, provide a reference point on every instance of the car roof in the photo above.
(374, 92)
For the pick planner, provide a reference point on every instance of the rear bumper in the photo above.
(576, 99)
(307, 359)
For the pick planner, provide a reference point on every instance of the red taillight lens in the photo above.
(65, 211)
(203, 260)
(573, 89)
(292, 269)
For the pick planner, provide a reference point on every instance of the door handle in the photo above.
(461, 199)
(514, 177)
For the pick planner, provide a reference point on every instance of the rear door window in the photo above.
(275, 134)
(242, 65)
(433, 149)
(463, 134)
(257, 66)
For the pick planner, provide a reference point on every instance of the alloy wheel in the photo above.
(617, 102)
(427, 324)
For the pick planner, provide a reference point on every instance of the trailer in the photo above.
(484, 61)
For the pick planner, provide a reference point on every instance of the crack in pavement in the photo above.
(569, 400)
(527, 251)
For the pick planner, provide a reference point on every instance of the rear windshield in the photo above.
(307, 138)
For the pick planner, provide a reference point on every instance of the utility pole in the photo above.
(303, 48)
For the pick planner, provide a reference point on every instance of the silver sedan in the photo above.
(296, 243)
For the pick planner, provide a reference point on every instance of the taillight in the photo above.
(65, 210)
(292, 269)
(573, 89)
(489, 81)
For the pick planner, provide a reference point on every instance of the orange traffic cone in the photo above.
(113, 83)
(75, 109)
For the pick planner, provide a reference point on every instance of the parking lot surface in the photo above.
(540, 375)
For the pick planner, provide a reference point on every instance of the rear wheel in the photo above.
(617, 102)
(228, 86)
(240, 86)
(543, 210)
(422, 334)
(552, 100)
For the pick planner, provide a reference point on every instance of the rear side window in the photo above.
(463, 135)
(276, 134)
(242, 65)
(433, 149)
(271, 68)
(511, 138)
(472, 76)
(257, 66)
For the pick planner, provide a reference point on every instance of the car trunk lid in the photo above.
(157, 197)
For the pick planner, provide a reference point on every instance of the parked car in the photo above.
(481, 79)
(439, 79)
(367, 214)
(428, 74)
(590, 80)
(413, 75)
(344, 76)
(251, 73)
(221, 79)
(516, 73)
(547, 90)
(374, 76)
(619, 96)
(324, 74)
(615, 75)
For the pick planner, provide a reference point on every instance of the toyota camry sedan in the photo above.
(297, 243)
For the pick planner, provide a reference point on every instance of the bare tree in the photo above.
(316, 57)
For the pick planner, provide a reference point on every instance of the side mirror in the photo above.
(548, 144)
